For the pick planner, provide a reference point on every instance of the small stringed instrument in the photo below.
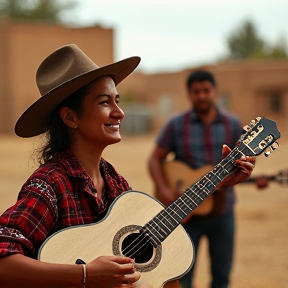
(180, 176)
(138, 226)
(281, 178)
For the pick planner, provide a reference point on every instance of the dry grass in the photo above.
(261, 258)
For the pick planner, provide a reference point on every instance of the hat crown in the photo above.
(61, 66)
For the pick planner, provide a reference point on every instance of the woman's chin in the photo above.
(114, 140)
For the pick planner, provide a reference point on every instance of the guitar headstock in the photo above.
(282, 177)
(261, 135)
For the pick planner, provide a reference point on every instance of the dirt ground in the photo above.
(261, 257)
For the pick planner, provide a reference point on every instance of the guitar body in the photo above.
(129, 212)
(179, 176)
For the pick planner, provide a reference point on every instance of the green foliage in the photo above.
(34, 10)
(245, 43)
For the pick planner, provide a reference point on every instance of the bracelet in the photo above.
(84, 275)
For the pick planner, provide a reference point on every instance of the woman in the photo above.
(74, 185)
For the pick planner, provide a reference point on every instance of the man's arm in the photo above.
(163, 191)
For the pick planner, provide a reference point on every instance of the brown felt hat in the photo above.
(60, 74)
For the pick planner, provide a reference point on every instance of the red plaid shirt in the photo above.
(57, 195)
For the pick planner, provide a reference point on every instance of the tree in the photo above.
(245, 43)
(35, 10)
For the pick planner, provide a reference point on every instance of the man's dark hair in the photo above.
(200, 76)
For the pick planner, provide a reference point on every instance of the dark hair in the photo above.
(200, 76)
(59, 135)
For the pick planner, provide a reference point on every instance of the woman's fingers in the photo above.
(129, 278)
(225, 150)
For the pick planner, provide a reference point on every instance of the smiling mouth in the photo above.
(113, 126)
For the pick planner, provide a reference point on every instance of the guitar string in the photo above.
(157, 224)
(231, 156)
(203, 186)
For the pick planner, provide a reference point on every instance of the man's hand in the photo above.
(262, 182)
(245, 166)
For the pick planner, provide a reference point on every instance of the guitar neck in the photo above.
(168, 219)
(261, 134)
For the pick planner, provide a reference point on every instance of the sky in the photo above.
(171, 35)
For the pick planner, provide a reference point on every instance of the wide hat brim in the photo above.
(36, 119)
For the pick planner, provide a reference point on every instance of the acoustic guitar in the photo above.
(180, 176)
(138, 226)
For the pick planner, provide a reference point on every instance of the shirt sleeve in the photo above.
(25, 226)
(166, 139)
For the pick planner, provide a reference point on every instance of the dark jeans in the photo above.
(220, 234)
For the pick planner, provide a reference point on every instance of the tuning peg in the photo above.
(253, 122)
(246, 128)
(268, 152)
(275, 145)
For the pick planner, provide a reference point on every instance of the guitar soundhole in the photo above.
(130, 242)
(137, 247)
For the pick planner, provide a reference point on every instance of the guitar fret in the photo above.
(186, 195)
(148, 228)
(199, 196)
(209, 181)
(166, 220)
(168, 230)
(158, 226)
(196, 204)
(184, 203)
(213, 176)
(175, 214)
(223, 168)
(217, 176)
(200, 187)
(180, 209)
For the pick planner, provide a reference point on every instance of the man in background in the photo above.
(196, 137)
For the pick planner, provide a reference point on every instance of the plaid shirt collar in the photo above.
(72, 165)
(195, 118)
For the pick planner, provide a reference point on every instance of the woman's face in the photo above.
(100, 122)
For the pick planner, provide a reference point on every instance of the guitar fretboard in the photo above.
(169, 218)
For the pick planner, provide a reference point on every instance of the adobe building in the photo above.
(24, 45)
(247, 88)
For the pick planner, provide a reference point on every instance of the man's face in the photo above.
(202, 96)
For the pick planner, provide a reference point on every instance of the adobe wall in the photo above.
(25, 45)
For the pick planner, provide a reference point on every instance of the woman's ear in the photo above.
(68, 117)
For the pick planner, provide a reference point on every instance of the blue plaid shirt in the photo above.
(198, 144)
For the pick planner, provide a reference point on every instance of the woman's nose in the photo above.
(118, 112)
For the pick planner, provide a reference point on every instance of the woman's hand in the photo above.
(245, 166)
(111, 271)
